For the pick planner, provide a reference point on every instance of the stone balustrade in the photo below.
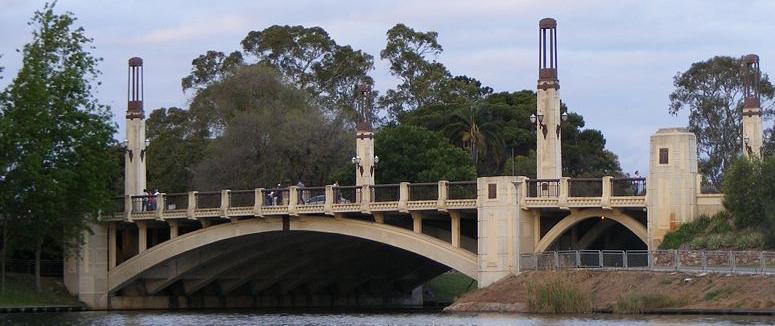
(565, 193)
(294, 201)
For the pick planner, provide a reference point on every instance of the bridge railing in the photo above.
(176, 201)
(461, 190)
(423, 191)
(628, 187)
(275, 196)
(385, 193)
(585, 187)
(347, 194)
(208, 199)
(144, 203)
(242, 198)
(741, 262)
(543, 188)
(311, 196)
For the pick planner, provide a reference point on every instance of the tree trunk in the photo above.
(5, 250)
(38, 249)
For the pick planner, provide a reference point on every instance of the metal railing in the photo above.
(423, 191)
(628, 186)
(461, 190)
(118, 204)
(585, 187)
(144, 203)
(275, 196)
(543, 188)
(176, 201)
(242, 198)
(385, 193)
(347, 194)
(311, 196)
(741, 262)
(208, 199)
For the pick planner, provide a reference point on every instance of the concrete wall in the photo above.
(87, 275)
(498, 226)
(709, 204)
(671, 186)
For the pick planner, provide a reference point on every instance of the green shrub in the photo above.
(749, 239)
(557, 295)
(685, 233)
(743, 195)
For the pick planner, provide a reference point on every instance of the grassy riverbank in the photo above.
(20, 291)
(449, 286)
(620, 292)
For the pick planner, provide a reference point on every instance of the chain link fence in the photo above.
(741, 262)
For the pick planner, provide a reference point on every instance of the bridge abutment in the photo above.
(498, 227)
(86, 275)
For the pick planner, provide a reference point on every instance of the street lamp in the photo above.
(539, 120)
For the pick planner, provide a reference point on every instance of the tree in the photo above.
(712, 92)
(475, 129)
(211, 67)
(272, 133)
(59, 136)
(414, 154)
(306, 57)
(509, 130)
(412, 56)
(176, 146)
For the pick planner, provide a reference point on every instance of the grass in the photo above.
(719, 293)
(557, 295)
(713, 233)
(449, 286)
(632, 303)
(20, 291)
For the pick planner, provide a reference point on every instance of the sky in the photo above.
(616, 59)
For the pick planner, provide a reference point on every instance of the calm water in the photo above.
(248, 318)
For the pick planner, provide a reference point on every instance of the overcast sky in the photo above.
(616, 58)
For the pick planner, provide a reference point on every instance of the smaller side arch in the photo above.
(577, 216)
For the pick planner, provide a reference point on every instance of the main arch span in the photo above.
(145, 266)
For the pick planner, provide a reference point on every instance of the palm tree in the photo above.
(475, 129)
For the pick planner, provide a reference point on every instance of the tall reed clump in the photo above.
(557, 295)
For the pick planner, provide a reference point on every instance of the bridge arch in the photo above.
(577, 216)
(420, 244)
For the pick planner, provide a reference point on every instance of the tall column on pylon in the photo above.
(134, 168)
(364, 161)
(752, 112)
(547, 119)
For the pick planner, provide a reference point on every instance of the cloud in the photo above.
(192, 31)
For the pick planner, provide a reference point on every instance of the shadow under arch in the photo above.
(423, 245)
(579, 215)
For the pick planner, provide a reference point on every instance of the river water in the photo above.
(397, 318)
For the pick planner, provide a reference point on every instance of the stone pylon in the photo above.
(752, 112)
(364, 160)
(134, 168)
(548, 118)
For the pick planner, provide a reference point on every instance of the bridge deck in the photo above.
(564, 193)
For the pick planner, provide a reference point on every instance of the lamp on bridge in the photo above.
(540, 119)
(356, 160)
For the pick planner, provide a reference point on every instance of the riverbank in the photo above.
(20, 293)
(622, 292)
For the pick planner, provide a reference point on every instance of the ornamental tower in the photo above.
(752, 112)
(364, 161)
(134, 168)
(547, 119)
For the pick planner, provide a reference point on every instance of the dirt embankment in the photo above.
(627, 291)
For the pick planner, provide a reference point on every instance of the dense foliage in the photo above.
(712, 92)
(749, 219)
(56, 163)
(282, 109)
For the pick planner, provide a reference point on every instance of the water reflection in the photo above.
(183, 318)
